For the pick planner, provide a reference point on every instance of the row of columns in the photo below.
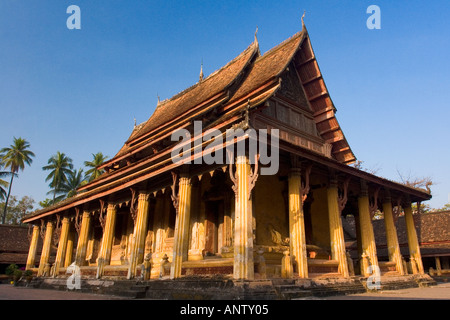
(338, 250)
(243, 232)
(65, 247)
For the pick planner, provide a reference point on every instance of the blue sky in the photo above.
(78, 91)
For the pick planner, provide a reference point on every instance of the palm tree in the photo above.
(74, 181)
(45, 203)
(60, 166)
(3, 184)
(94, 172)
(15, 157)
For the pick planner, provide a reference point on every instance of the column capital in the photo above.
(111, 206)
(333, 182)
(144, 195)
(332, 178)
(364, 190)
(185, 180)
(387, 196)
(407, 202)
(86, 213)
(295, 172)
(295, 162)
(242, 159)
(65, 219)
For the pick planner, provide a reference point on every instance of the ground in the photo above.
(438, 292)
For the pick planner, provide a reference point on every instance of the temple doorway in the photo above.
(213, 217)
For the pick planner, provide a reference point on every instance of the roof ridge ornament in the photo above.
(201, 72)
(303, 22)
(256, 43)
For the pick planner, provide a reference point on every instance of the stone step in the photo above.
(292, 292)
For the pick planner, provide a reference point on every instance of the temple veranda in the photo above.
(150, 218)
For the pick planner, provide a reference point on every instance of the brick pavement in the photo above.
(10, 292)
(438, 292)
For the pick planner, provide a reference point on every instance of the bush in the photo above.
(28, 273)
(17, 274)
(11, 269)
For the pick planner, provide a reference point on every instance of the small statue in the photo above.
(47, 269)
(277, 237)
(164, 262)
(287, 270)
(261, 264)
(145, 268)
(351, 268)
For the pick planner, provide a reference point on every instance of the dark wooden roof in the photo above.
(250, 78)
(431, 227)
(177, 106)
(433, 233)
(14, 244)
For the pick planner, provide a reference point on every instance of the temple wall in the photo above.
(319, 219)
(270, 211)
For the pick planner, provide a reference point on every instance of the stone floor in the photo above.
(10, 292)
(441, 291)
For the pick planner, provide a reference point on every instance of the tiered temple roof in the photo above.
(246, 82)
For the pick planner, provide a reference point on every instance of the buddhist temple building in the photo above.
(433, 234)
(14, 245)
(150, 217)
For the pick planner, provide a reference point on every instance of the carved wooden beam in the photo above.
(42, 231)
(77, 220)
(342, 199)
(174, 196)
(373, 207)
(133, 205)
(304, 189)
(101, 217)
(57, 231)
(233, 175)
(253, 176)
(396, 213)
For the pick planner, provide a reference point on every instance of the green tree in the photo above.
(17, 209)
(3, 184)
(446, 207)
(75, 179)
(15, 157)
(46, 203)
(59, 165)
(94, 172)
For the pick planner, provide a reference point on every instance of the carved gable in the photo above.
(292, 89)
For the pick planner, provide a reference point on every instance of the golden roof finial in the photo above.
(201, 71)
(135, 122)
(256, 40)
(303, 22)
